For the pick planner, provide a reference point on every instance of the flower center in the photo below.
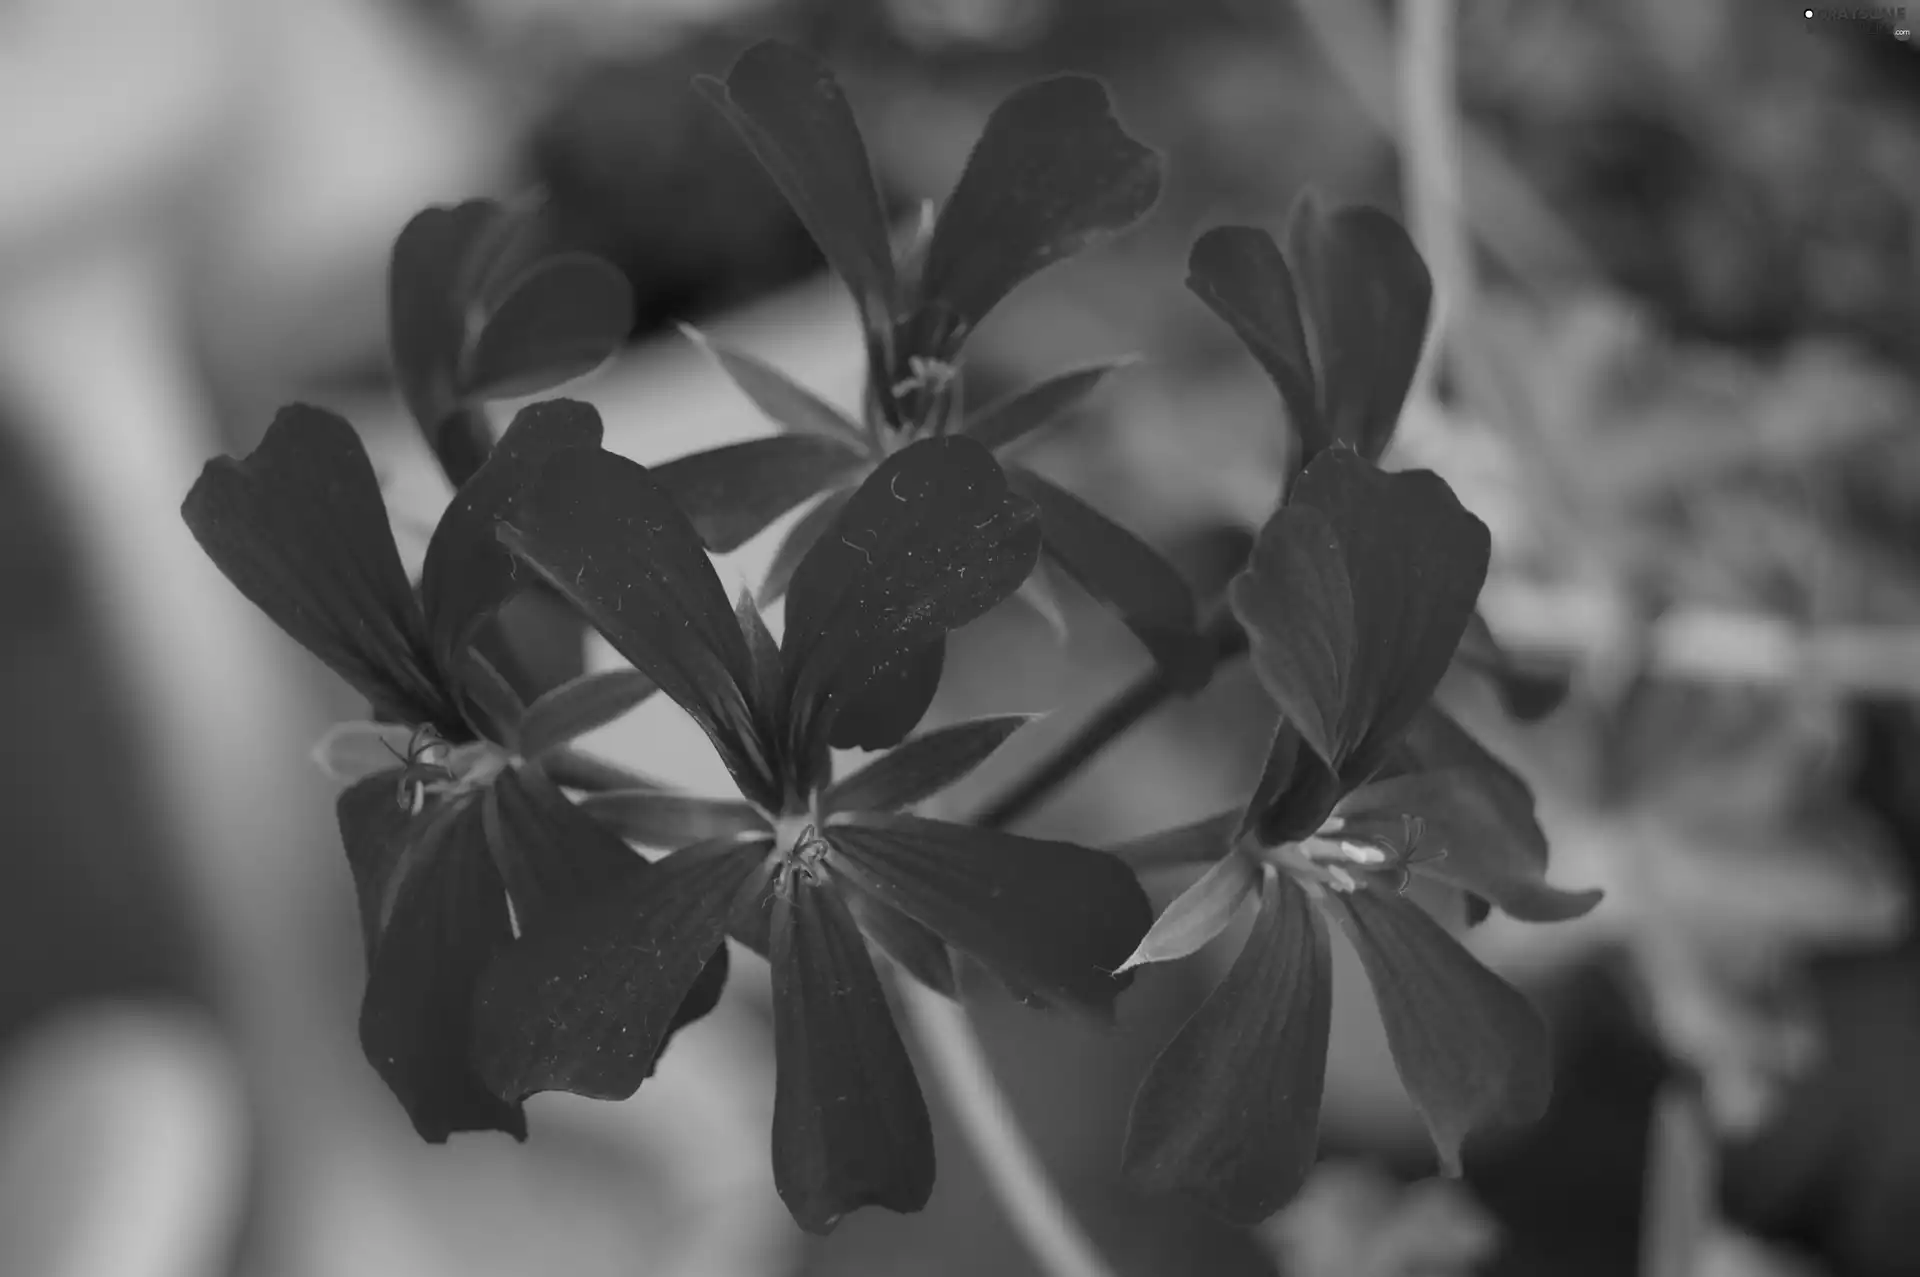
(432, 766)
(1337, 859)
(798, 848)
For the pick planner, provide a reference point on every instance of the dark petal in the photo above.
(1528, 691)
(492, 705)
(922, 767)
(850, 1127)
(794, 117)
(299, 527)
(586, 1004)
(1295, 793)
(1051, 920)
(1019, 414)
(786, 402)
(1475, 811)
(467, 573)
(1230, 1111)
(1472, 834)
(578, 770)
(661, 818)
(763, 652)
(1366, 293)
(426, 308)
(376, 828)
(1199, 843)
(555, 857)
(612, 542)
(800, 538)
(552, 855)
(916, 950)
(575, 708)
(1200, 913)
(1239, 273)
(732, 493)
(896, 697)
(1117, 568)
(930, 541)
(1471, 1050)
(561, 319)
(1355, 599)
(446, 918)
(1052, 174)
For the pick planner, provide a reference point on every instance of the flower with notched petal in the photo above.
(1053, 173)
(805, 870)
(1338, 321)
(465, 812)
(1355, 599)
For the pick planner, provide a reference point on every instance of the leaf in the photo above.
(1117, 568)
(794, 117)
(658, 818)
(611, 541)
(1051, 920)
(563, 317)
(1354, 602)
(551, 855)
(732, 493)
(1366, 294)
(586, 1004)
(1230, 1111)
(298, 526)
(1199, 842)
(1199, 913)
(579, 706)
(784, 401)
(922, 767)
(1472, 1052)
(467, 573)
(1476, 812)
(931, 540)
(1529, 693)
(433, 911)
(1008, 420)
(895, 698)
(1239, 273)
(850, 1127)
(800, 538)
(426, 304)
(1052, 174)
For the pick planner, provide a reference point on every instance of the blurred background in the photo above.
(1678, 250)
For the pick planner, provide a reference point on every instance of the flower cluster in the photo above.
(516, 942)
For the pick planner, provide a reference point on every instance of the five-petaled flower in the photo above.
(1355, 600)
(466, 810)
(806, 870)
(1052, 173)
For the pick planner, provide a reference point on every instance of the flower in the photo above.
(1357, 595)
(1338, 322)
(480, 306)
(465, 813)
(1053, 173)
(805, 870)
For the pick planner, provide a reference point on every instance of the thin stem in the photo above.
(1110, 720)
(1033, 1205)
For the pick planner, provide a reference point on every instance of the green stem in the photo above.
(1013, 1170)
(1110, 720)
